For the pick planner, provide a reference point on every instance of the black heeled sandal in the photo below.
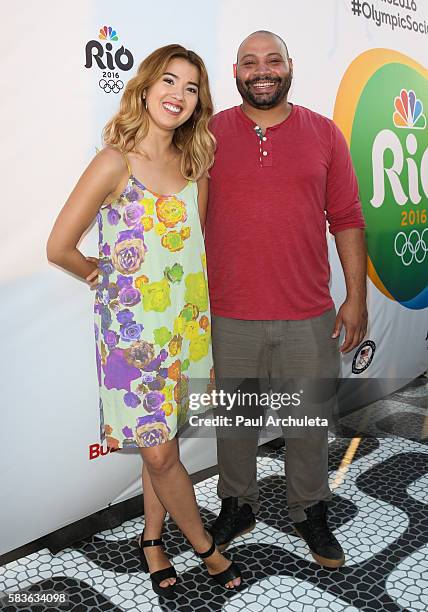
(156, 577)
(222, 578)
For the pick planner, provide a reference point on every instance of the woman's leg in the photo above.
(174, 490)
(154, 517)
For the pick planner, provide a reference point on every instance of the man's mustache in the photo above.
(263, 78)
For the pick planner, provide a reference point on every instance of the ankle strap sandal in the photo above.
(157, 577)
(222, 578)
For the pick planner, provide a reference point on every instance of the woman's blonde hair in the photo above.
(131, 124)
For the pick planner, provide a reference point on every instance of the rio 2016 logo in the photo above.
(109, 61)
(380, 108)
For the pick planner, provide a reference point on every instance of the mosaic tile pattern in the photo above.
(379, 512)
(408, 583)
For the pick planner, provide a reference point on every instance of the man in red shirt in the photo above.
(281, 171)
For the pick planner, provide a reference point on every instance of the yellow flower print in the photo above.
(196, 290)
(162, 335)
(204, 322)
(149, 205)
(171, 211)
(167, 391)
(147, 223)
(156, 296)
(198, 347)
(174, 345)
(189, 312)
(179, 324)
(140, 281)
(185, 232)
(160, 229)
(172, 241)
(204, 260)
(103, 353)
(168, 408)
(191, 330)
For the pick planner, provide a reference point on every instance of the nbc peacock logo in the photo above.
(109, 60)
(380, 109)
(107, 33)
(408, 111)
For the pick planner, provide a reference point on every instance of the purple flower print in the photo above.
(135, 232)
(153, 400)
(133, 195)
(113, 217)
(118, 372)
(105, 296)
(131, 331)
(113, 291)
(128, 254)
(131, 400)
(125, 235)
(152, 429)
(129, 296)
(127, 432)
(123, 281)
(153, 365)
(138, 232)
(140, 353)
(163, 372)
(106, 249)
(148, 377)
(132, 214)
(125, 316)
(157, 385)
(111, 338)
(163, 355)
(106, 266)
(103, 282)
(129, 443)
(97, 331)
(105, 317)
(100, 226)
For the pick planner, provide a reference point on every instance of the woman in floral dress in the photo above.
(147, 189)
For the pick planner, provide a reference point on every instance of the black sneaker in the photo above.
(232, 522)
(323, 546)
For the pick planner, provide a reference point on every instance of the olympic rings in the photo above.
(411, 247)
(111, 85)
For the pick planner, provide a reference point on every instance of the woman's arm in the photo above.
(202, 200)
(100, 179)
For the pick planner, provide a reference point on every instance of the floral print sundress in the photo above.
(152, 318)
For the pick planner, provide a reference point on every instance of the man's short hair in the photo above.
(281, 40)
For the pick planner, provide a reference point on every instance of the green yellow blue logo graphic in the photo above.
(380, 108)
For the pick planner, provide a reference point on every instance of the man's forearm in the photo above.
(352, 250)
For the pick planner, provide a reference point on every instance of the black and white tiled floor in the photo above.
(379, 513)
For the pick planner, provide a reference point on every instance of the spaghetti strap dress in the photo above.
(152, 317)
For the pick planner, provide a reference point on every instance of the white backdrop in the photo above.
(53, 110)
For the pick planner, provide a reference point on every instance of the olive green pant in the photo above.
(273, 354)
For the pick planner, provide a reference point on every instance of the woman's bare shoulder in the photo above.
(111, 159)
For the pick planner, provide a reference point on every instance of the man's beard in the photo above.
(266, 102)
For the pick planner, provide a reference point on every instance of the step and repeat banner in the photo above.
(65, 66)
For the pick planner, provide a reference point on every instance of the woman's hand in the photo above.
(92, 278)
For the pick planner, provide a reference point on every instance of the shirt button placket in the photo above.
(266, 151)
